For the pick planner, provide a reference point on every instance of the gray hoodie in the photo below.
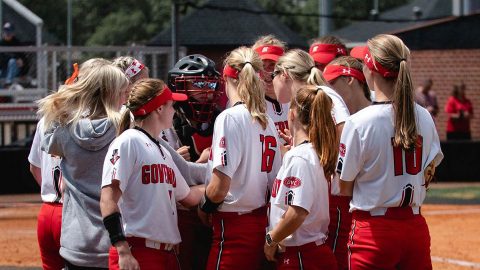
(84, 240)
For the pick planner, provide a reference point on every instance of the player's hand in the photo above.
(125, 258)
(286, 136)
(428, 173)
(284, 149)
(270, 252)
(204, 156)
(183, 151)
(204, 217)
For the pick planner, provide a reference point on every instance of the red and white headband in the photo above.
(158, 101)
(332, 72)
(134, 68)
(373, 65)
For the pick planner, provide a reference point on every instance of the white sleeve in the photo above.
(297, 186)
(226, 145)
(350, 159)
(35, 155)
(436, 153)
(119, 163)
(181, 187)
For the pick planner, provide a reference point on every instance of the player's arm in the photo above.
(293, 219)
(218, 188)
(194, 196)
(37, 173)
(112, 220)
(346, 188)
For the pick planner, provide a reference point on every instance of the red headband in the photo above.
(332, 72)
(74, 75)
(230, 72)
(269, 52)
(370, 62)
(158, 101)
(324, 53)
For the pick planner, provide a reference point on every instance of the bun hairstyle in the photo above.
(246, 64)
(392, 54)
(313, 108)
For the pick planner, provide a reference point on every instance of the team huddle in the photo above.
(285, 159)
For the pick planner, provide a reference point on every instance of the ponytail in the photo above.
(391, 53)
(313, 107)
(249, 87)
(315, 77)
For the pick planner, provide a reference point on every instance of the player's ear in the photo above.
(350, 80)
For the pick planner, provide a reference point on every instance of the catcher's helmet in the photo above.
(195, 75)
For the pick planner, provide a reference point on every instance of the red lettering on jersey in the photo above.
(292, 182)
(158, 174)
(413, 158)
(276, 187)
(211, 154)
(146, 174)
(223, 143)
(342, 150)
(268, 154)
(282, 125)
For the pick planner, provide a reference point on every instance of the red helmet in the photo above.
(195, 75)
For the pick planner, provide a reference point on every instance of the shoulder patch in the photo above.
(292, 182)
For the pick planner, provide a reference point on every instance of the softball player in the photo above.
(344, 75)
(299, 201)
(387, 153)
(244, 160)
(80, 122)
(46, 170)
(270, 49)
(141, 184)
(323, 50)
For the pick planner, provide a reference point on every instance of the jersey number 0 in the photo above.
(268, 154)
(413, 159)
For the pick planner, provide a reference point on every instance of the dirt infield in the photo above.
(454, 229)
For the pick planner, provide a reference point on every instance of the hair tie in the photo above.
(247, 62)
(318, 89)
(310, 69)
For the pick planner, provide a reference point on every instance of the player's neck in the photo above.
(300, 136)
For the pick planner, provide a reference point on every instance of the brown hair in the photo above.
(313, 107)
(351, 62)
(390, 52)
(249, 87)
(142, 92)
(329, 40)
(269, 40)
(300, 66)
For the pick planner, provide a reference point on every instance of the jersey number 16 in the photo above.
(268, 154)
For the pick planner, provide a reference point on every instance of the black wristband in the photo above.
(207, 206)
(113, 224)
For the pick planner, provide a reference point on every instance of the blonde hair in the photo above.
(123, 62)
(390, 52)
(300, 66)
(95, 94)
(248, 85)
(352, 62)
(142, 92)
(313, 107)
(269, 40)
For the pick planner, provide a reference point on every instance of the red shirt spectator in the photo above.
(460, 111)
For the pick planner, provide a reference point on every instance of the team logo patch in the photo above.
(289, 196)
(292, 182)
(224, 158)
(342, 150)
(115, 157)
(340, 165)
(223, 143)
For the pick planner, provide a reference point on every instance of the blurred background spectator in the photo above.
(427, 98)
(460, 112)
(11, 63)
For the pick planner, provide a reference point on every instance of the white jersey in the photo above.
(301, 182)
(279, 114)
(340, 111)
(385, 176)
(150, 184)
(246, 153)
(50, 188)
(170, 136)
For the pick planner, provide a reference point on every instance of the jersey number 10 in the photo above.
(413, 158)
(268, 154)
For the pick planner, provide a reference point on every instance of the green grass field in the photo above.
(465, 193)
